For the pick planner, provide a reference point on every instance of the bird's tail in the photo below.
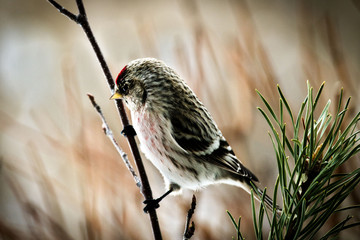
(258, 193)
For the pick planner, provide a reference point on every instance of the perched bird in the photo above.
(176, 132)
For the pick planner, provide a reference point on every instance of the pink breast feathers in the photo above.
(148, 127)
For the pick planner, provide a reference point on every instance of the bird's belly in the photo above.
(175, 164)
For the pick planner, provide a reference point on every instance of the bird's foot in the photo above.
(151, 204)
(154, 203)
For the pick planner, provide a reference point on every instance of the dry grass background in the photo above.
(60, 178)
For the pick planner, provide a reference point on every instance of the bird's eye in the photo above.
(125, 88)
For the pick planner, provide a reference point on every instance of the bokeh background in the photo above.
(60, 177)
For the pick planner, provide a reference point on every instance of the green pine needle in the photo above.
(311, 192)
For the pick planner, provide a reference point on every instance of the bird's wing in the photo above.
(198, 135)
(225, 158)
(194, 133)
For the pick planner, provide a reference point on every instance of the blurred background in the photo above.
(60, 177)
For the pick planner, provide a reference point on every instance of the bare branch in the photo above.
(190, 229)
(81, 7)
(64, 10)
(110, 135)
(81, 19)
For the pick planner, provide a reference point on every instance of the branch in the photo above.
(190, 230)
(81, 19)
(110, 135)
(63, 10)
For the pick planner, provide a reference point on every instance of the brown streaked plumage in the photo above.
(176, 132)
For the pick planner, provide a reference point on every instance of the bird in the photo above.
(177, 133)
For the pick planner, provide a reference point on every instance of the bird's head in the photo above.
(146, 80)
(130, 83)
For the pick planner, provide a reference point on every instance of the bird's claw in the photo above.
(151, 204)
(128, 131)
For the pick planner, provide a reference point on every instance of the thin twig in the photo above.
(190, 229)
(110, 135)
(81, 19)
(63, 10)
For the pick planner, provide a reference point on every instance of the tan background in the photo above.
(57, 167)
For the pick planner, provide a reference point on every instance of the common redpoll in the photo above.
(176, 132)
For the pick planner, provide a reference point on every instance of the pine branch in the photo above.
(310, 190)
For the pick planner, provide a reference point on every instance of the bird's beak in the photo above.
(116, 95)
